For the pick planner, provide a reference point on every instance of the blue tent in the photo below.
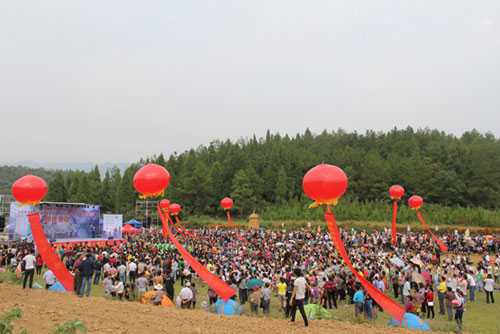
(58, 287)
(135, 223)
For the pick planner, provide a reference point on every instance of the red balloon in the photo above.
(415, 202)
(325, 183)
(175, 208)
(396, 192)
(29, 189)
(226, 203)
(151, 180)
(164, 204)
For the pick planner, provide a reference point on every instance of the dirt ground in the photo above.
(42, 311)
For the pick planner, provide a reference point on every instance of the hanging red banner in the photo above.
(222, 290)
(48, 254)
(387, 304)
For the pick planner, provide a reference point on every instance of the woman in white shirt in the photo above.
(298, 296)
(489, 286)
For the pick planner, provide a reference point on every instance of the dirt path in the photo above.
(42, 311)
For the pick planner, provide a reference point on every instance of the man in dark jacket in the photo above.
(86, 269)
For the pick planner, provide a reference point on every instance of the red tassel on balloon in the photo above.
(222, 290)
(394, 238)
(48, 254)
(387, 304)
(396, 192)
(439, 242)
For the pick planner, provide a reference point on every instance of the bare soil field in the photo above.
(43, 310)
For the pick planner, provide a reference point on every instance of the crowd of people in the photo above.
(295, 267)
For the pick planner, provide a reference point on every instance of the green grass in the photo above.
(479, 317)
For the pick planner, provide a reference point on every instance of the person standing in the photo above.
(459, 309)
(359, 301)
(282, 293)
(39, 265)
(406, 289)
(86, 269)
(449, 297)
(330, 289)
(243, 291)
(132, 271)
(254, 300)
(472, 286)
(441, 294)
(429, 298)
(97, 271)
(266, 298)
(489, 285)
(29, 269)
(298, 295)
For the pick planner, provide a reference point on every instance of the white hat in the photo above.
(158, 287)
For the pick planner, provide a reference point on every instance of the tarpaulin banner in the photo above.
(67, 221)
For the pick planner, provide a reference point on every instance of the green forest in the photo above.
(458, 176)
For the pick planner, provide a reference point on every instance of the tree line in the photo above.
(265, 173)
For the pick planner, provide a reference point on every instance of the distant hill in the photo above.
(8, 174)
(83, 166)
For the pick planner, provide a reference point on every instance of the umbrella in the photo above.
(254, 283)
(427, 277)
(417, 261)
(397, 262)
(417, 278)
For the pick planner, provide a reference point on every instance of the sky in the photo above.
(117, 80)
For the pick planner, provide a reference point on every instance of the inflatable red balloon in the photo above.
(325, 184)
(151, 180)
(29, 189)
(415, 202)
(396, 192)
(175, 209)
(226, 203)
(164, 204)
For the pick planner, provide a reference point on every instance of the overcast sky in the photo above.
(119, 80)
